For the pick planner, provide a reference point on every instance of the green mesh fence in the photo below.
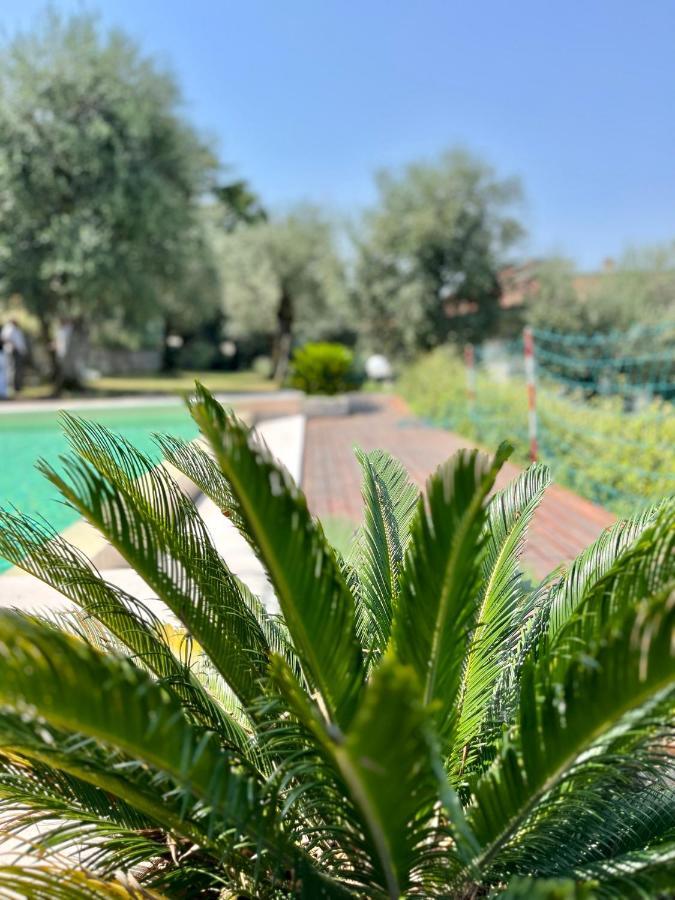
(606, 423)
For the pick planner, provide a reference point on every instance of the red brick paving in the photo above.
(563, 525)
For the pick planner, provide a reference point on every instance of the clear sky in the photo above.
(307, 98)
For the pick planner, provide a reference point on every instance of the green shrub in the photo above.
(416, 722)
(198, 355)
(615, 458)
(323, 368)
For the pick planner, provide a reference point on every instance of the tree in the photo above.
(429, 254)
(638, 290)
(554, 303)
(239, 205)
(100, 177)
(284, 278)
(418, 722)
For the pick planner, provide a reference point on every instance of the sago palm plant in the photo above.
(417, 721)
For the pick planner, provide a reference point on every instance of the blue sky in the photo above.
(307, 98)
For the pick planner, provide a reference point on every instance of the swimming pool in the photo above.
(29, 436)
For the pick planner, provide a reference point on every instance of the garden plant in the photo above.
(594, 447)
(418, 720)
(323, 368)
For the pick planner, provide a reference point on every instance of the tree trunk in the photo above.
(69, 356)
(169, 353)
(283, 338)
(48, 341)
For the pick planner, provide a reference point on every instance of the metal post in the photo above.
(530, 378)
(470, 363)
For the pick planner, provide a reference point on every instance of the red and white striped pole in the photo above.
(470, 363)
(530, 378)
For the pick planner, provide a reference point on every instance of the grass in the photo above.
(165, 384)
(339, 531)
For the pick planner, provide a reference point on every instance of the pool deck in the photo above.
(563, 525)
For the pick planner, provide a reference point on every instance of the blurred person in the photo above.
(15, 352)
(4, 381)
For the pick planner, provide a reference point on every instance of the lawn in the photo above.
(174, 383)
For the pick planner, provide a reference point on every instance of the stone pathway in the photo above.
(563, 525)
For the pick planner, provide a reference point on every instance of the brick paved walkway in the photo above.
(563, 525)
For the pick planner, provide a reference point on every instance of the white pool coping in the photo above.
(139, 400)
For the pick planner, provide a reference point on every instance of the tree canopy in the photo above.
(639, 289)
(284, 278)
(101, 176)
(430, 252)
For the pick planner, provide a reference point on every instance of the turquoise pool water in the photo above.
(27, 437)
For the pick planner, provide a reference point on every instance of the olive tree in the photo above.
(430, 251)
(284, 278)
(101, 179)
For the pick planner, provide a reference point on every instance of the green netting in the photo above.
(605, 420)
(635, 363)
(608, 435)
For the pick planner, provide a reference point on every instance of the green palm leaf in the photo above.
(199, 466)
(389, 766)
(558, 723)
(503, 603)
(316, 602)
(60, 883)
(157, 529)
(640, 875)
(567, 592)
(645, 569)
(524, 888)
(557, 600)
(390, 503)
(77, 689)
(36, 756)
(437, 604)
(193, 461)
(38, 550)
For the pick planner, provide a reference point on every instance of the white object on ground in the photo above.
(378, 367)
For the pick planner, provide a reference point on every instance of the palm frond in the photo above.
(524, 888)
(437, 604)
(49, 775)
(61, 883)
(157, 529)
(617, 798)
(77, 689)
(559, 723)
(640, 875)
(504, 606)
(316, 602)
(118, 813)
(556, 600)
(645, 569)
(592, 564)
(196, 463)
(377, 553)
(389, 766)
(37, 549)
